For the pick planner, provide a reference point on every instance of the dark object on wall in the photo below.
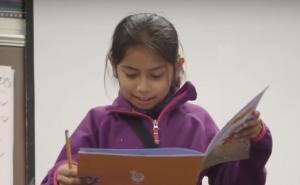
(29, 89)
(12, 8)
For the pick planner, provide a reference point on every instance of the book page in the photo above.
(224, 149)
(6, 125)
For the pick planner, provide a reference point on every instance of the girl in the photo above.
(145, 61)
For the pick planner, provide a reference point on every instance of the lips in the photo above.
(143, 100)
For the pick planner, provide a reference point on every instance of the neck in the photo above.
(154, 112)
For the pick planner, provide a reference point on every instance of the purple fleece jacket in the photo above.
(181, 124)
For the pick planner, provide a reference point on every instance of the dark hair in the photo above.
(149, 30)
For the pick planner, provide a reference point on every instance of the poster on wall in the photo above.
(6, 124)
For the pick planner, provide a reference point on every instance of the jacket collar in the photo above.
(186, 93)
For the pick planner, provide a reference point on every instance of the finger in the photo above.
(64, 180)
(256, 114)
(249, 122)
(255, 122)
(64, 170)
(253, 116)
(250, 132)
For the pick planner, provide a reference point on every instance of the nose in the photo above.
(143, 86)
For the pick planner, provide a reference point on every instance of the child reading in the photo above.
(145, 60)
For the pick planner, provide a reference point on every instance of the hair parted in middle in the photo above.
(147, 30)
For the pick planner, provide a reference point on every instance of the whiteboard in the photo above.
(233, 49)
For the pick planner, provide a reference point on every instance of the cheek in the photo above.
(125, 90)
(125, 84)
(170, 77)
(163, 85)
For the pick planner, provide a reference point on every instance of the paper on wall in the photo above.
(6, 124)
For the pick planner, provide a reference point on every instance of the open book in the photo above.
(162, 166)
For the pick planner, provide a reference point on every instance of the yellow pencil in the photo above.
(69, 150)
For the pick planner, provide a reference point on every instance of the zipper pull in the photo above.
(155, 131)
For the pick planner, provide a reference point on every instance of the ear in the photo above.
(179, 64)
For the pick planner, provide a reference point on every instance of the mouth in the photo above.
(143, 100)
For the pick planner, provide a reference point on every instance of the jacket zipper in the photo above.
(155, 122)
(155, 131)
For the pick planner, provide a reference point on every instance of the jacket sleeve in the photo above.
(84, 136)
(245, 172)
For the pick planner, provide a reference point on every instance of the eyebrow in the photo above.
(135, 69)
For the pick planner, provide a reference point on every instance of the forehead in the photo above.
(142, 58)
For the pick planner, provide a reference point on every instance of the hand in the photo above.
(68, 176)
(251, 129)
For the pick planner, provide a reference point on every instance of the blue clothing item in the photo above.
(179, 124)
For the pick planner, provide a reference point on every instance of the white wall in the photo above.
(233, 50)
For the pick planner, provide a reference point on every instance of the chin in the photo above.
(145, 107)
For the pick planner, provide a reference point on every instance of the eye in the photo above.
(157, 76)
(131, 75)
